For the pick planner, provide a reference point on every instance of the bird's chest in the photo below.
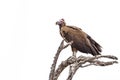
(62, 33)
(72, 35)
(66, 35)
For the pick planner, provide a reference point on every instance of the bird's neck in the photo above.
(62, 26)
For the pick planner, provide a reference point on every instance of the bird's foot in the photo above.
(75, 58)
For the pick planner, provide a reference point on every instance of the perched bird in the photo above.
(81, 41)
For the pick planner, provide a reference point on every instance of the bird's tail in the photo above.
(96, 48)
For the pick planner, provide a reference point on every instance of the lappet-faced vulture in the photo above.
(81, 41)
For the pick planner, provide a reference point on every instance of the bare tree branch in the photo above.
(51, 76)
(62, 66)
(81, 60)
(76, 63)
(61, 47)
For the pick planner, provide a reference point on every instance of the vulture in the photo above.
(81, 41)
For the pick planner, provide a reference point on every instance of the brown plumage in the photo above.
(81, 41)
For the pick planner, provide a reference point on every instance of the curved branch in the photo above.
(51, 76)
(61, 47)
(81, 60)
(63, 65)
(76, 63)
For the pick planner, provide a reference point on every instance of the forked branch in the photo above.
(79, 62)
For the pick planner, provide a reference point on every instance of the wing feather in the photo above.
(81, 41)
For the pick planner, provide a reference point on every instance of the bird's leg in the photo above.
(74, 50)
(73, 66)
(74, 54)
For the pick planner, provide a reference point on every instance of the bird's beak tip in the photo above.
(56, 23)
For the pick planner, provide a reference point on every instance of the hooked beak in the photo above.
(57, 23)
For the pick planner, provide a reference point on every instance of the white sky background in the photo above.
(29, 37)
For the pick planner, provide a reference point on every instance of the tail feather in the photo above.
(96, 47)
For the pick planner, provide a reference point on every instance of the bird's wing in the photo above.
(74, 27)
(81, 41)
(94, 44)
(70, 33)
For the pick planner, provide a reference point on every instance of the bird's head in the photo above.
(61, 22)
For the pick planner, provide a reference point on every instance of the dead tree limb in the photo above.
(61, 47)
(79, 62)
